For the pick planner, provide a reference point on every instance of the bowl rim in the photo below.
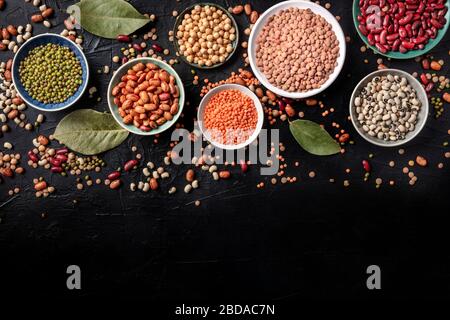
(259, 110)
(329, 17)
(424, 108)
(171, 71)
(398, 55)
(84, 85)
(178, 22)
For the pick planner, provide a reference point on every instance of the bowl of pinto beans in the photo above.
(401, 29)
(146, 96)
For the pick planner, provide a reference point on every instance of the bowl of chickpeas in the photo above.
(205, 35)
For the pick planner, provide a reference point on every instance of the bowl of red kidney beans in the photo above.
(401, 29)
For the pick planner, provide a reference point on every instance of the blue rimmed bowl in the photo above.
(23, 52)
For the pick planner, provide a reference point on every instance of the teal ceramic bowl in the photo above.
(116, 79)
(398, 55)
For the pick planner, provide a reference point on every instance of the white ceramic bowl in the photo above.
(302, 4)
(24, 51)
(204, 103)
(422, 116)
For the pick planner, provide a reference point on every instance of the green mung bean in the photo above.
(51, 73)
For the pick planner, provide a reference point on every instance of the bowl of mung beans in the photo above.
(50, 72)
(206, 35)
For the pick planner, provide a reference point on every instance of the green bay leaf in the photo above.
(107, 19)
(90, 132)
(313, 138)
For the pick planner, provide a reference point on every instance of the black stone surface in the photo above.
(283, 243)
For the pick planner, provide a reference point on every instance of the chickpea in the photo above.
(205, 36)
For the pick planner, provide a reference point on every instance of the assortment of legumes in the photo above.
(51, 73)
(401, 25)
(231, 117)
(297, 50)
(206, 36)
(388, 107)
(147, 96)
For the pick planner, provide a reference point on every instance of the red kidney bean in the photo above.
(408, 45)
(157, 48)
(383, 36)
(396, 45)
(386, 21)
(366, 166)
(62, 151)
(402, 32)
(281, 105)
(32, 156)
(406, 19)
(114, 175)
(55, 162)
(408, 28)
(429, 87)
(128, 166)
(381, 47)
(244, 167)
(123, 38)
(436, 24)
(61, 157)
(371, 39)
(416, 25)
(424, 79)
(392, 37)
(56, 169)
(137, 47)
(426, 64)
(420, 40)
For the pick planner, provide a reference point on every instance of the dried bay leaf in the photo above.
(90, 132)
(313, 138)
(107, 19)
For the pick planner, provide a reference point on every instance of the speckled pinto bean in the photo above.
(297, 50)
(147, 96)
(230, 117)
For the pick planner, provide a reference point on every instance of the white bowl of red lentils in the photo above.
(297, 49)
(230, 116)
(146, 96)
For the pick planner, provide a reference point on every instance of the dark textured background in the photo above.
(311, 239)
